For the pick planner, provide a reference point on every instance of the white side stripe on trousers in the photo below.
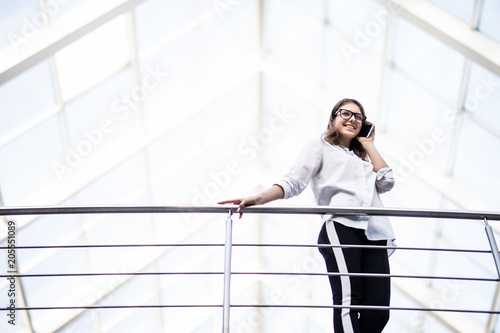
(344, 280)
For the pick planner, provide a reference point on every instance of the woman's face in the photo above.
(348, 128)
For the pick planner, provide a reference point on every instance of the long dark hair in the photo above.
(331, 135)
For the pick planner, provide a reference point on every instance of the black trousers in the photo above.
(356, 290)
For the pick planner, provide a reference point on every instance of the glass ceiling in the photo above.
(168, 102)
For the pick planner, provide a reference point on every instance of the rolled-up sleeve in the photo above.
(306, 165)
(385, 180)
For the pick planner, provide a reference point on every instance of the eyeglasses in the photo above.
(346, 114)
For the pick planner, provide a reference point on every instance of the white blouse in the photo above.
(340, 178)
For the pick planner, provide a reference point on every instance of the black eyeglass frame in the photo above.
(363, 117)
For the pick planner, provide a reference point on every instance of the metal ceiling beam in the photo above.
(448, 29)
(10, 69)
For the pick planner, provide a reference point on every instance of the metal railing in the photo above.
(228, 246)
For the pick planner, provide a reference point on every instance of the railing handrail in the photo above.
(264, 273)
(342, 246)
(230, 210)
(312, 210)
(297, 306)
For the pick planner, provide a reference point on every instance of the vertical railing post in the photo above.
(496, 257)
(226, 303)
(493, 245)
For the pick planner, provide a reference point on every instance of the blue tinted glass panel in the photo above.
(424, 125)
(158, 19)
(109, 103)
(489, 23)
(477, 160)
(17, 22)
(58, 8)
(357, 17)
(483, 95)
(293, 38)
(312, 7)
(462, 9)
(433, 64)
(25, 97)
(93, 57)
(349, 74)
(224, 40)
(119, 185)
(28, 170)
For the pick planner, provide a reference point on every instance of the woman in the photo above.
(345, 170)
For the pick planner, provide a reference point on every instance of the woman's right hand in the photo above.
(273, 193)
(242, 203)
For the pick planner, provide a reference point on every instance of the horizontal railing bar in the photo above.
(361, 307)
(374, 275)
(338, 211)
(37, 247)
(378, 247)
(51, 275)
(83, 307)
(356, 307)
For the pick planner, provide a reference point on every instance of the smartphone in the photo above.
(366, 130)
